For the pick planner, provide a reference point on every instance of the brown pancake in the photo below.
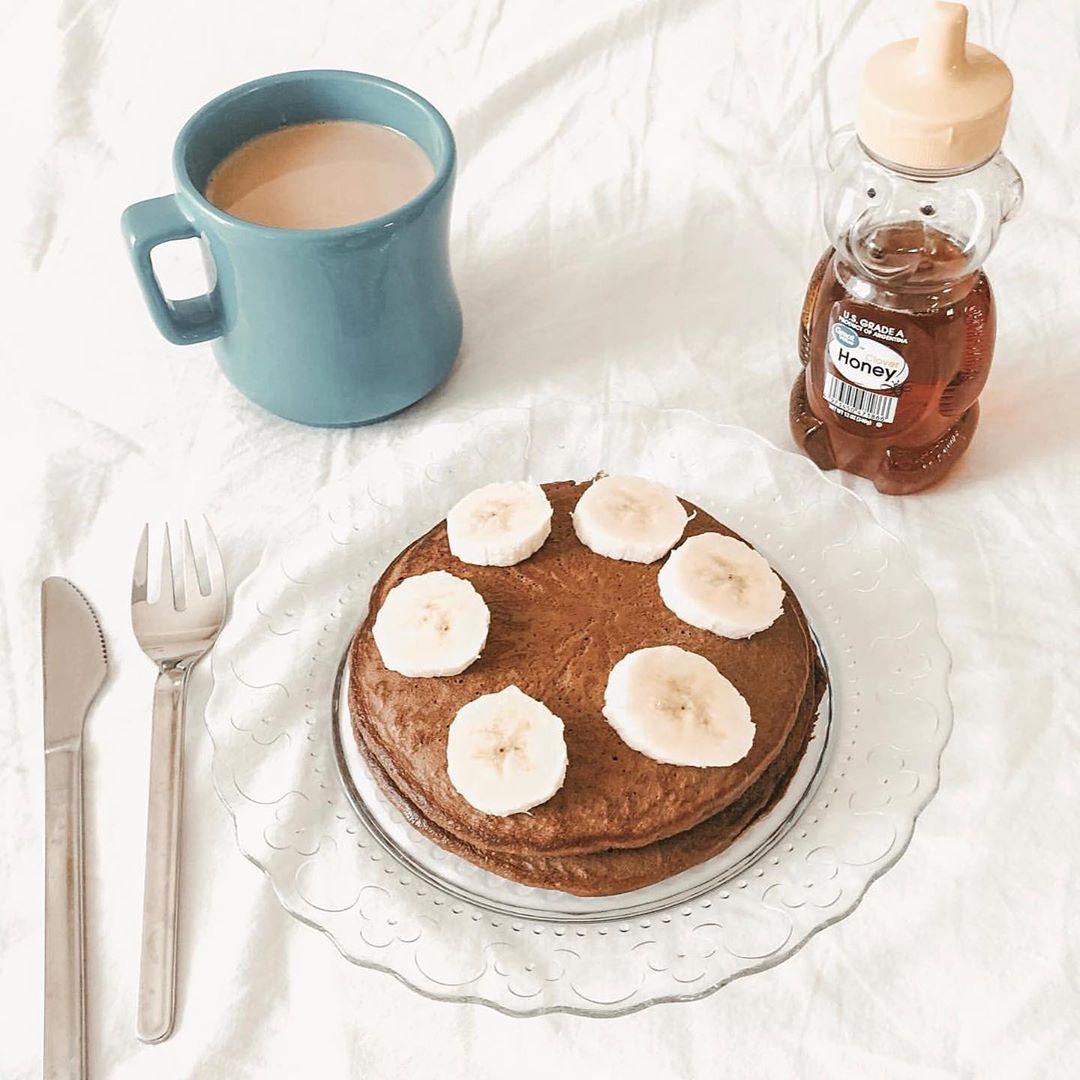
(606, 873)
(559, 622)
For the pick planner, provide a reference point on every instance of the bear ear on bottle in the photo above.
(897, 329)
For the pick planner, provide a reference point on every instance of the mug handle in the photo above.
(146, 225)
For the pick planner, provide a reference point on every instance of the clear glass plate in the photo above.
(340, 858)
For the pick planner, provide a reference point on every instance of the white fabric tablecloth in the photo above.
(638, 209)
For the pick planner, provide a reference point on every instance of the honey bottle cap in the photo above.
(935, 103)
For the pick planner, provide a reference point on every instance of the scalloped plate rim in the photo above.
(838, 914)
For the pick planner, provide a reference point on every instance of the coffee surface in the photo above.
(320, 175)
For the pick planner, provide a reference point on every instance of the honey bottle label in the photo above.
(865, 369)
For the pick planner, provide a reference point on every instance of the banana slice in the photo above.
(499, 524)
(675, 707)
(431, 624)
(505, 752)
(718, 583)
(629, 518)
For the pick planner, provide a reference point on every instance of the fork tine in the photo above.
(192, 588)
(214, 565)
(142, 566)
(168, 584)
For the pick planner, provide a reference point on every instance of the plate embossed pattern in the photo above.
(270, 716)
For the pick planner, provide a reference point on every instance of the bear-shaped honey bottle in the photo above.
(897, 329)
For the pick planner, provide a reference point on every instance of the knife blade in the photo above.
(73, 659)
(74, 663)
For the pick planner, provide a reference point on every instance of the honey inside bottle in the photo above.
(936, 318)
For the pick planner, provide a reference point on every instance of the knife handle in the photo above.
(65, 1015)
(157, 971)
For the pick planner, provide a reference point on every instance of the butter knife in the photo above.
(73, 664)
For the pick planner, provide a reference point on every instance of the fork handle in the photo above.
(157, 971)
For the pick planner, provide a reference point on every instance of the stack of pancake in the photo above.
(560, 621)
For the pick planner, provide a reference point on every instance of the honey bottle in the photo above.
(897, 328)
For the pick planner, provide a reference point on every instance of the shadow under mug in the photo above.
(330, 327)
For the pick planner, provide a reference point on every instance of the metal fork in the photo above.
(174, 630)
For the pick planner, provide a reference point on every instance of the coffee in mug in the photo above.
(320, 175)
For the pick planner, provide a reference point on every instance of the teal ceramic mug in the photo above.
(332, 327)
